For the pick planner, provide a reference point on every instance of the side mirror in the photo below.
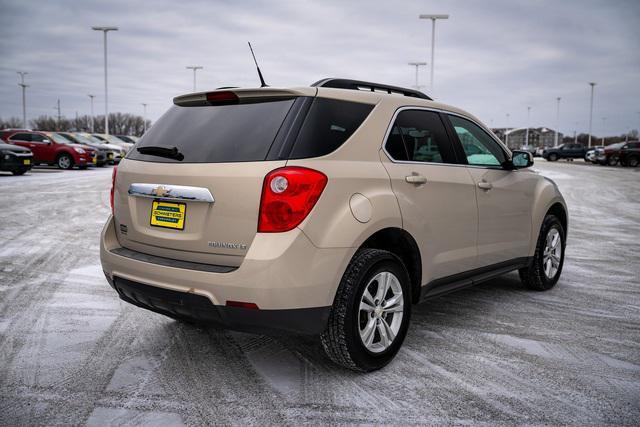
(46, 141)
(521, 159)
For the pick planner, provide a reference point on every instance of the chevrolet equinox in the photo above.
(324, 210)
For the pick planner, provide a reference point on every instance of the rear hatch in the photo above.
(190, 189)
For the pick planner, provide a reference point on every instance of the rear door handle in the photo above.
(416, 179)
(485, 185)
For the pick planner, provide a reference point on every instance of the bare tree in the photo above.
(10, 123)
(119, 124)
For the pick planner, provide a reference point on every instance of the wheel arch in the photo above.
(403, 245)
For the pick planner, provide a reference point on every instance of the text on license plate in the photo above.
(168, 215)
(26, 161)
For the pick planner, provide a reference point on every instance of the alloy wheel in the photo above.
(552, 253)
(381, 311)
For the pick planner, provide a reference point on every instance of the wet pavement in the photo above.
(72, 353)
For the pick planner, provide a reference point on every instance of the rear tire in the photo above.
(545, 269)
(64, 161)
(633, 161)
(19, 171)
(380, 318)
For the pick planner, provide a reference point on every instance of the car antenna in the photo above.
(262, 83)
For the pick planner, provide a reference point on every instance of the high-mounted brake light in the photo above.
(222, 97)
(113, 188)
(288, 195)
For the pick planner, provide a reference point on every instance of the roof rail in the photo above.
(373, 87)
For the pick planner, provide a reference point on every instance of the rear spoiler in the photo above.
(226, 96)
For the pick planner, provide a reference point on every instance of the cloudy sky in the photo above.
(492, 57)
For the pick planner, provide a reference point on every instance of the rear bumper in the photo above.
(183, 305)
(292, 282)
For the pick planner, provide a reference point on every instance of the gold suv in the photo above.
(324, 210)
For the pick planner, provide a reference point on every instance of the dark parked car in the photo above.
(15, 159)
(53, 149)
(565, 151)
(630, 154)
(609, 155)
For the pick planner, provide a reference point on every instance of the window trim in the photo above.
(452, 138)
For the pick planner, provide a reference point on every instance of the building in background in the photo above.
(538, 137)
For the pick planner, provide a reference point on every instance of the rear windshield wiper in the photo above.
(154, 150)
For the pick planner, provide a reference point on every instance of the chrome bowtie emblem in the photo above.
(161, 191)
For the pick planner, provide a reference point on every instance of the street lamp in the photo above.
(194, 68)
(144, 116)
(604, 119)
(417, 64)
(24, 98)
(433, 39)
(506, 131)
(592, 84)
(555, 142)
(526, 142)
(91, 97)
(105, 30)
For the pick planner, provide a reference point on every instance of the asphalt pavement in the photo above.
(72, 353)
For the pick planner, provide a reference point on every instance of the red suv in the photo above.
(53, 149)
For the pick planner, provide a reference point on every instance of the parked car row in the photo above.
(623, 153)
(22, 148)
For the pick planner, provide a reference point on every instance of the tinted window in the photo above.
(36, 137)
(478, 146)
(215, 134)
(21, 137)
(419, 136)
(328, 124)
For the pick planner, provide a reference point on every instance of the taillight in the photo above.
(288, 195)
(113, 187)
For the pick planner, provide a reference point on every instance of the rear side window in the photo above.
(216, 134)
(419, 136)
(328, 124)
(21, 137)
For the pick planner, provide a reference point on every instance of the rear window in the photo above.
(216, 134)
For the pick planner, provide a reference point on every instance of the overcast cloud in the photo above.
(492, 57)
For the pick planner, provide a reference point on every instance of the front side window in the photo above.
(479, 148)
(419, 136)
(36, 137)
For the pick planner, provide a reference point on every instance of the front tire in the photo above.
(553, 157)
(371, 311)
(545, 269)
(613, 160)
(64, 161)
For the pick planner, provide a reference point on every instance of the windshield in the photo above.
(114, 139)
(82, 139)
(617, 145)
(59, 138)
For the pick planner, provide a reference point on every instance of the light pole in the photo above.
(194, 68)
(24, 98)
(433, 40)
(91, 97)
(417, 64)
(604, 119)
(592, 84)
(575, 132)
(555, 142)
(144, 116)
(105, 30)
(506, 131)
(526, 142)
